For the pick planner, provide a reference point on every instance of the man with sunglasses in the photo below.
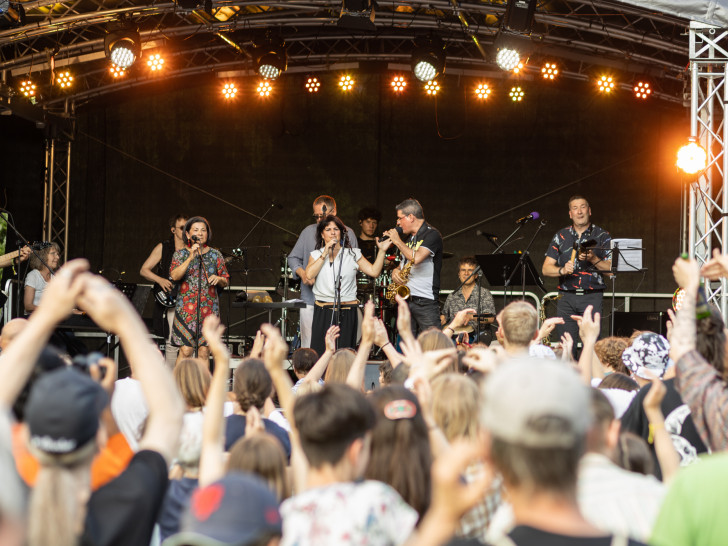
(323, 205)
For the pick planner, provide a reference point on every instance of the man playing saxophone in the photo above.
(420, 244)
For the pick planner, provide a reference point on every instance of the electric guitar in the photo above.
(166, 299)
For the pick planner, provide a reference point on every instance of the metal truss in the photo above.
(56, 190)
(707, 201)
(583, 35)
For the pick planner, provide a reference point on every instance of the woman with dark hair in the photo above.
(343, 261)
(400, 449)
(197, 297)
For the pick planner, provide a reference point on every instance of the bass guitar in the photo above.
(166, 299)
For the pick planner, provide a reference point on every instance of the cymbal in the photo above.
(463, 330)
(446, 255)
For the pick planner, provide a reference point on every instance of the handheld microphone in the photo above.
(195, 239)
(397, 229)
(533, 216)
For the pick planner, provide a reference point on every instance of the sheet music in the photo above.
(630, 254)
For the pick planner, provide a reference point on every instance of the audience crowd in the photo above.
(511, 444)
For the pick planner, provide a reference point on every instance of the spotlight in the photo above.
(264, 89)
(270, 57)
(432, 88)
(27, 88)
(507, 59)
(123, 47)
(516, 94)
(229, 90)
(12, 14)
(519, 15)
(346, 83)
(642, 90)
(64, 79)
(550, 71)
(313, 85)
(398, 84)
(518, 68)
(155, 62)
(482, 91)
(692, 157)
(357, 15)
(605, 84)
(428, 59)
(116, 72)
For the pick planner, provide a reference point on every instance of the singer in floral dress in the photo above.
(185, 269)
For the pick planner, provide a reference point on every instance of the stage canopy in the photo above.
(713, 12)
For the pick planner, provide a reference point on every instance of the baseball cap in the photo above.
(648, 354)
(63, 411)
(520, 396)
(234, 511)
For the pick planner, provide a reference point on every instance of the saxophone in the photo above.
(401, 290)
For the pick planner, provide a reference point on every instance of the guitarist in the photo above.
(156, 269)
(14, 258)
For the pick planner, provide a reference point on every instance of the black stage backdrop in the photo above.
(465, 160)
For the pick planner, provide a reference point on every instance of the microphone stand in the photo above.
(522, 262)
(199, 296)
(499, 251)
(337, 287)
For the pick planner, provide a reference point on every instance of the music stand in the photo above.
(500, 268)
(626, 258)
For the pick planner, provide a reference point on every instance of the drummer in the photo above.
(369, 219)
(467, 297)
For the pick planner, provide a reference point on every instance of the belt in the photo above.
(420, 298)
(345, 305)
(582, 291)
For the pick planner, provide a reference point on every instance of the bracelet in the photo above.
(448, 328)
(560, 273)
(388, 343)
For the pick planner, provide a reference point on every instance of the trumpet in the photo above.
(394, 289)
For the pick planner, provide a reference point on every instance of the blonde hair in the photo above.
(433, 339)
(519, 321)
(262, 454)
(193, 381)
(338, 368)
(456, 406)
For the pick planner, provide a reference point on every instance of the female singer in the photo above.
(326, 263)
(188, 318)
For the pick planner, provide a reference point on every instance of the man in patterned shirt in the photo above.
(579, 256)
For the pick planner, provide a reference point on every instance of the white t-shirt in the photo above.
(323, 288)
(35, 280)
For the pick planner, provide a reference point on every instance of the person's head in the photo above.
(237, 510)
(51, 255)
(333, 425)
(579, 211)
(604, 431)
(199, 227)
(400, 448)
(323, 206)
(466, 267)
(193, 381)
(385, 373)
(456, 406)
(49, 359)
(410, 215)
(618, 380)
(262, 455)
(647, 356)
(536, 415)
(369, 219)
(518, 325)
(177, 225)
(303, 360)
(633, 454)
(10, 331)
(329, 228)
(190, 441)
(252, 384)
(433, 339)
(400, 374)
(609, 352)
(711, 339)
(339, 366)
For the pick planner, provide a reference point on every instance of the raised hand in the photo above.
(332, 334)
(686, 273)
(716, 267)
(212, 330)
(404, 319)
(275, 350)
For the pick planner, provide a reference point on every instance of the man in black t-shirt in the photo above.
(422, 246)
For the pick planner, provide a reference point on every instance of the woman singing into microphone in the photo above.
(326, 263)
(197, 295)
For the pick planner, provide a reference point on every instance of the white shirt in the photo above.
(34, 279)
(323, 288)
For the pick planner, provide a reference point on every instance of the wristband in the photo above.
(388, 343)
(560, 273)
(448, 328)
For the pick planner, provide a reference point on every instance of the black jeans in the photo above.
(572, 303)
(425, 314)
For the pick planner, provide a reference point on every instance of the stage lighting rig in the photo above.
(692, 157)
(519, 15)
(428, 59)
(12, 14)
(313, 85)
(357, 15)
(270, 57)
(642, 89)
(123, 46)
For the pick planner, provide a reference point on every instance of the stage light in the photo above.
(123, 47)
(271, 58)
(155, 62)
(28, 88)
(264, 89)
(229, 90)
(549, 71)
(313, 85)
(642, 90)
(692, 158)
(357, 15)
(605, 84)
(507, 59)
(482, 91)
(116, 72)
(346, 83)
(64, 79)
(516, 94)
(677, 299)
(428, 59)
(432, 88)
(398, 84)
(518, 68)
(12, 14)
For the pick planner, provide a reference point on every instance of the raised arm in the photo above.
(147, 270)
(318, 369)
(355, 378)
(660, 438)
(374, 270)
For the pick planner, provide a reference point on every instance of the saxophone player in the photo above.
(420, 245)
